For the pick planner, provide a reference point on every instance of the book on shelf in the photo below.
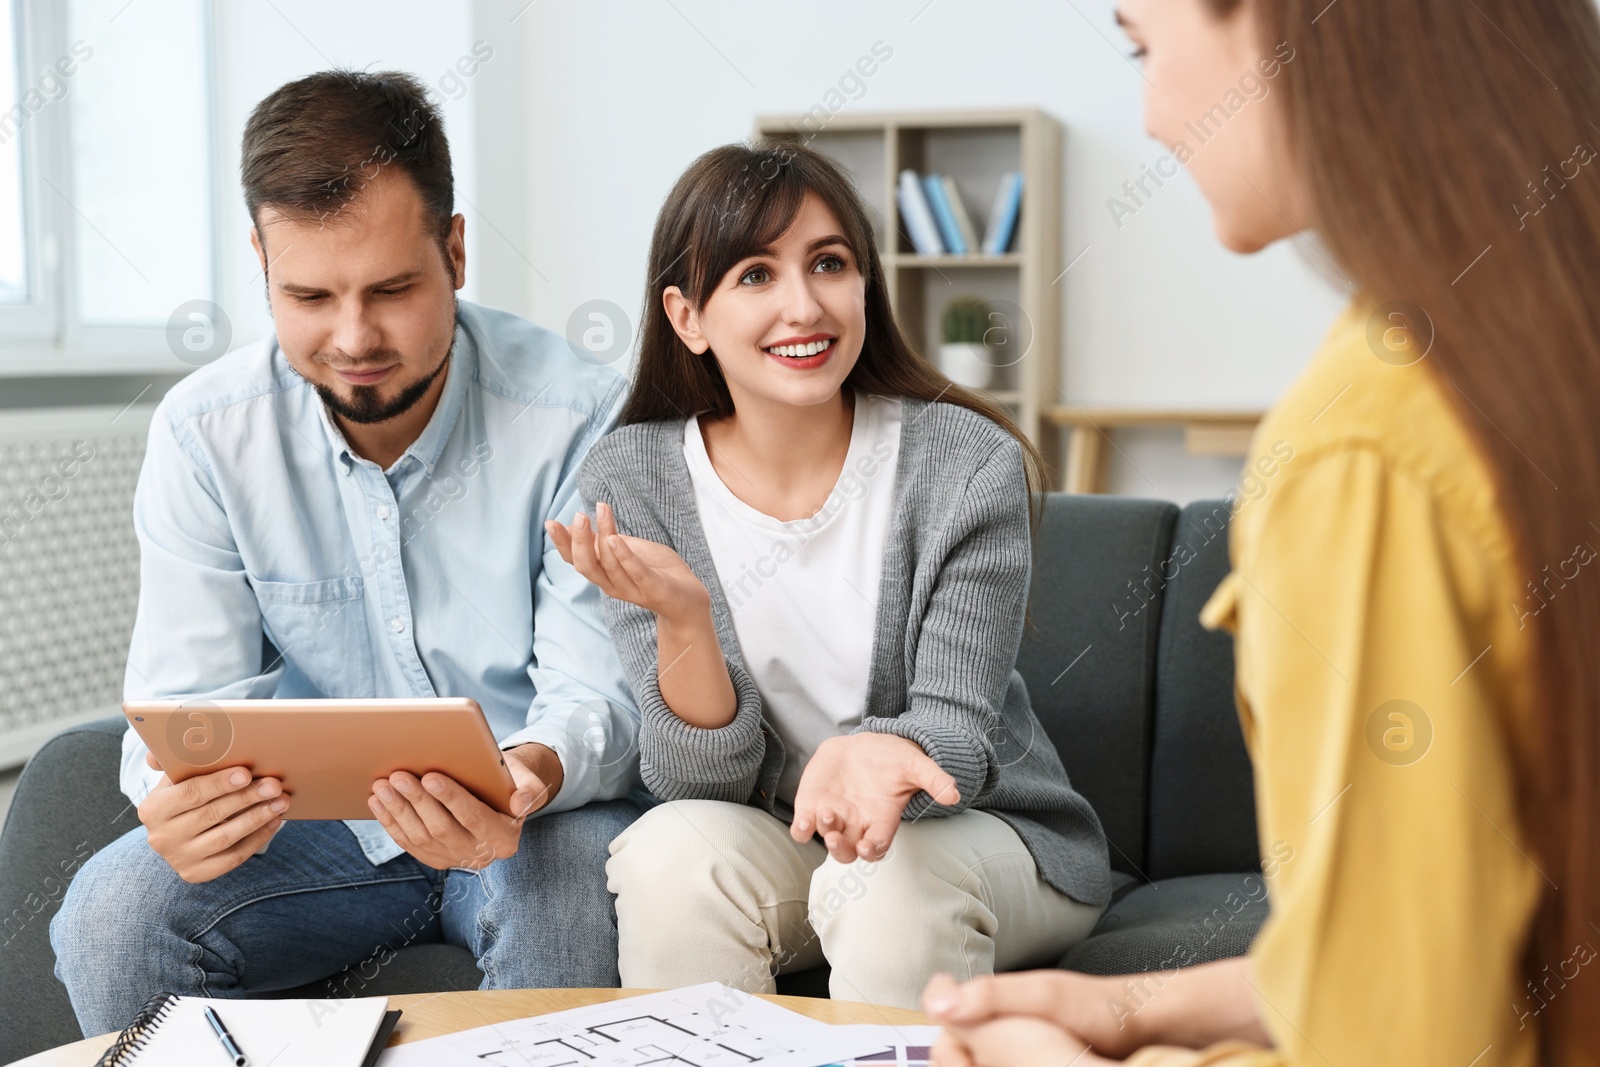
(1003, 217)
(943, 215)
(958, 208)
(918, 215)
(937, 221)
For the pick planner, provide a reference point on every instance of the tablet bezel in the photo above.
(327, 752)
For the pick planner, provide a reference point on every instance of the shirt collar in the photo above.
(428, 446)
(430, 443)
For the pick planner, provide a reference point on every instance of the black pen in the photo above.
(229, 1045)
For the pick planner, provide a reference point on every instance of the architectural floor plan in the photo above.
(708, 1025)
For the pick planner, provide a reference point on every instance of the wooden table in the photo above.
(433, 1014)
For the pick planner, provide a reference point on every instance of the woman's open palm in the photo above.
(641, 572)
(855, 789)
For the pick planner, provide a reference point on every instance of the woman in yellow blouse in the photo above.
(1415, 597)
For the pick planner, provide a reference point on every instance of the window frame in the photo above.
(47, 337)
(36, 322)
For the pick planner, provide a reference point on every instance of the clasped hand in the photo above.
(1026, 1019)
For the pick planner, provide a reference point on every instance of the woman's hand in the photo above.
(1095, 1011)
(1014, 1041)
(690, 671)
(627, 568)
(856, 787)
(1191, 1007)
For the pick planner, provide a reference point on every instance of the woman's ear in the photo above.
(685, 320)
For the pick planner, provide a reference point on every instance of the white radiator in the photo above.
(69, 567)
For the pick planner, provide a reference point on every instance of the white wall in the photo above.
(260, 46)
(622, 94)
(567, 139)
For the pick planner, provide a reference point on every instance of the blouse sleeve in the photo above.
(1399, 877)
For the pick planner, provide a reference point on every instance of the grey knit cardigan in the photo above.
(950, 613)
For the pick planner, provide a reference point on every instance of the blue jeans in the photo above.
(313, 904)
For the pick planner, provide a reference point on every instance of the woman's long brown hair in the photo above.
(1449, 148)
(731, 203)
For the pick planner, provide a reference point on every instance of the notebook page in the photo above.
(304, 1033)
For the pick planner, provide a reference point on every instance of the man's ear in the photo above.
(261, 251)
(456, 247)
(685, 319)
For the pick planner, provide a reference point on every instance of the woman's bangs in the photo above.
(750, 216)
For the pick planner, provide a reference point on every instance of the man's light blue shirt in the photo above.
(274, 562)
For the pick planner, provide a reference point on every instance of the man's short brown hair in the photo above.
(312, 145)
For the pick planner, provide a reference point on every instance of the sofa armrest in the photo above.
(66, 807)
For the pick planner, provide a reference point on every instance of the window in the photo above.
(13, 258)
(140, 157)
(105, 179)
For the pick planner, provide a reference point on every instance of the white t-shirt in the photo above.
(804, 593)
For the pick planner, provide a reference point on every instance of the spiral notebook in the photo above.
(171, 1031)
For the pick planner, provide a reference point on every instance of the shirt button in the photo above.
(383, 511)
(397, 624)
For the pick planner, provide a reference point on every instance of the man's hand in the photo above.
(855, 788)
(1094, 1011)
(444, 826)
(206, 826)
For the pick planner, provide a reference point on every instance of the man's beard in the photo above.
(364, 405)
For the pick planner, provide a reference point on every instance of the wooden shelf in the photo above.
(974, 148)
(909, 259)
(1205, 433)
(1072, 415)
(848, 121)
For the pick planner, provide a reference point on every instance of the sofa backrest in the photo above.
(1202, 801)
(1136, 695)
(1089, 655)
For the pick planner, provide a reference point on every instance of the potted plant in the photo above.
(964, 356)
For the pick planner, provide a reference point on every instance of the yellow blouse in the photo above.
(1383, 633)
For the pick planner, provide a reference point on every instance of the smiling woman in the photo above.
(795, 508)
(730, 207)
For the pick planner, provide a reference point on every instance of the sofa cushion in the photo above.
(1178, 922)
(414, 969)
(1202, 804)
(1088, 654)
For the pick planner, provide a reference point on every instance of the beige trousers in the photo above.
(712, 891)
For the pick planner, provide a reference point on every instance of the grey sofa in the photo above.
(1137, 698)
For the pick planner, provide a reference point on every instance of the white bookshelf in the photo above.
(974, 149)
